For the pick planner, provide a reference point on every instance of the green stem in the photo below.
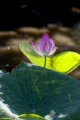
(44, 61)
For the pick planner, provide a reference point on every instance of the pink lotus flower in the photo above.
(46, 47)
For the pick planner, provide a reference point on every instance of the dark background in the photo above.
(37, 13)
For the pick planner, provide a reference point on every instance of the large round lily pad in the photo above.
(31, 89)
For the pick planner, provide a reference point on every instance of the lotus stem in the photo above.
(44, 61)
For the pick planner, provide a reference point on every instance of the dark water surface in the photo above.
(27, 21)
(64, 37)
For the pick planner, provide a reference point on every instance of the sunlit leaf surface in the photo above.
(64, 62)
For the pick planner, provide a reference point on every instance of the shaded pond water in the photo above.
(66, 39)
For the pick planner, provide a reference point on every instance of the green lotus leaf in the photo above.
(31, 89)
(31, 117)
